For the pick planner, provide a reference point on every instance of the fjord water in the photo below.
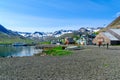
(17, 51)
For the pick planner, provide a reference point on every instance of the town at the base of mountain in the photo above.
(109, 34)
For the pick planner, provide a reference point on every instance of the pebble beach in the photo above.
(91, 63)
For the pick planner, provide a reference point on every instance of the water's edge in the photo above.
(18, 51)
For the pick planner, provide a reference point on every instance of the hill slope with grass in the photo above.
(115, 24)
(9, 37)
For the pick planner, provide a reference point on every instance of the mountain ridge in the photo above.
(9, 37)
(7, 32)
(115, 24)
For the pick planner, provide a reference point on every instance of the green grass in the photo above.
(46, 42)
(57, 51)
(7, 39)
(13, 40)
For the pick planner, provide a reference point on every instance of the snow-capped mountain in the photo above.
(88, 29)
(42, 34)
(38, 34)
(54, 34)
(25, 34)
(61, 32)
(30, 35)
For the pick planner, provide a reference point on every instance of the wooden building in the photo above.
(69, 40)
(112, 37)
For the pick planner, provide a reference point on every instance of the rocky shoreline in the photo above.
(91, 63)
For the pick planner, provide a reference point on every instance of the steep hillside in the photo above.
(114, 24)
(2, 29)
(7, 32)
(9, 37)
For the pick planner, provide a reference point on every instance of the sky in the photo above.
(52, 15)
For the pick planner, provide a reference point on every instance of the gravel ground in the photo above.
(92, 63)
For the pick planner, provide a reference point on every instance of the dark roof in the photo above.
(70, 39)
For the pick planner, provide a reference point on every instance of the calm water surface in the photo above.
(18, 51)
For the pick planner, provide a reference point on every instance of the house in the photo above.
(112, 37)
(82, 40)
(69, 40)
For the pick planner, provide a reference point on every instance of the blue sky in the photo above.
(51, 15)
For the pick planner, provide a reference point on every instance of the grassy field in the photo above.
(13, 40)
(9, 39)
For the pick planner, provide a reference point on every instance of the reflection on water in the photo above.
(6, 51)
